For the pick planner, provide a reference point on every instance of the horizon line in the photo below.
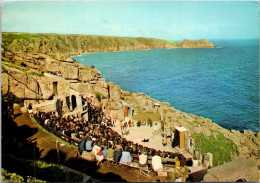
(132, 36)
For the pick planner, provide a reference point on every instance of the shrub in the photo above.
(98, 96)
(10, 177)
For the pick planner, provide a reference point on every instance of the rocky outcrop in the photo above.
(203, 43)
(68, 71)
(23, 85)
(16, 79)
(60, 46)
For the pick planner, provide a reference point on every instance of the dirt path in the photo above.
(46, 145)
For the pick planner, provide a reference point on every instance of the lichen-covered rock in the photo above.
(85, 75)
(69, 71)
(116, 105)
(101, 90)
(115, 91)
(84, 88)
(4, 83)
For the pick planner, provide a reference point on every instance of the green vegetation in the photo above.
(61, 46)
(98, 96)
(54, 136)
(34, 73)
(221, 147)
(44, 171)
(203, 43)
(13, 65)
(10, 177)
(146, 115)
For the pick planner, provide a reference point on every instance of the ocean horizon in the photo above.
(220, 84)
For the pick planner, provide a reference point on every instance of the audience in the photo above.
(97, 136)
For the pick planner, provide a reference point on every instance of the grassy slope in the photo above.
(221, 147)
(60, 46)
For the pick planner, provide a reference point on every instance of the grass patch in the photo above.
(98, 96)
(145, 115)
(54, 136)
(9, 64)
(34, 73)
(26, 168)
(221, 147)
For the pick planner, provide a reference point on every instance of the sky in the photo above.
(170, 20)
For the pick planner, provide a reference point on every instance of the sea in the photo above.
(221, 84)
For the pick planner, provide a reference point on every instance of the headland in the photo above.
(30, 62)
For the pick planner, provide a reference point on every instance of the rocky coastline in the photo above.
(23, 73)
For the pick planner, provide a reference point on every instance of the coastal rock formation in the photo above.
(60, 46)
(25, 74)
(203, 43)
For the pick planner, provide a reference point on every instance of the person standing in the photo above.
(30, 110)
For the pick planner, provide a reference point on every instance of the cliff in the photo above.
(60, 46)
(202, 43)
(24, 74)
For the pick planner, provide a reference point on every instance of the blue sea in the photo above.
(220, 84)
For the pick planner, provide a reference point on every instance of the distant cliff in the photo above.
(60, 46)
(202, 43)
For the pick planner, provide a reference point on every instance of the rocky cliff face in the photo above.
(22, 74)
(60, 46)
(203, 43)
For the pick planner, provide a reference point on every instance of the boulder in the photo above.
(101, 90)
(126, 93)
(237, 170)
(205, 131)
(116, 105)
(52, 65)
(117, 114)
(16, 74)
(84, 88)
(115, 91)
(4, 82)
(85, 75)
(68, 71)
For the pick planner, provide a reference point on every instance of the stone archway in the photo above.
(74, 102)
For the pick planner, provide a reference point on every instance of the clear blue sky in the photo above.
(171, 20)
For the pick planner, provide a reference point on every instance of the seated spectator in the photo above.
(142, 159)
(104, 151)
(110, 152)
(126, 156)
(99, 155)
(156, 162)
(46, 122)
(117, 155)
(89, 145)
(177, 162)
(81, 146)
(138, 123)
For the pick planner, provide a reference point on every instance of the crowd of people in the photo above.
(97, 136)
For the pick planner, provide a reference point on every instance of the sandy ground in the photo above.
(137, 134)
